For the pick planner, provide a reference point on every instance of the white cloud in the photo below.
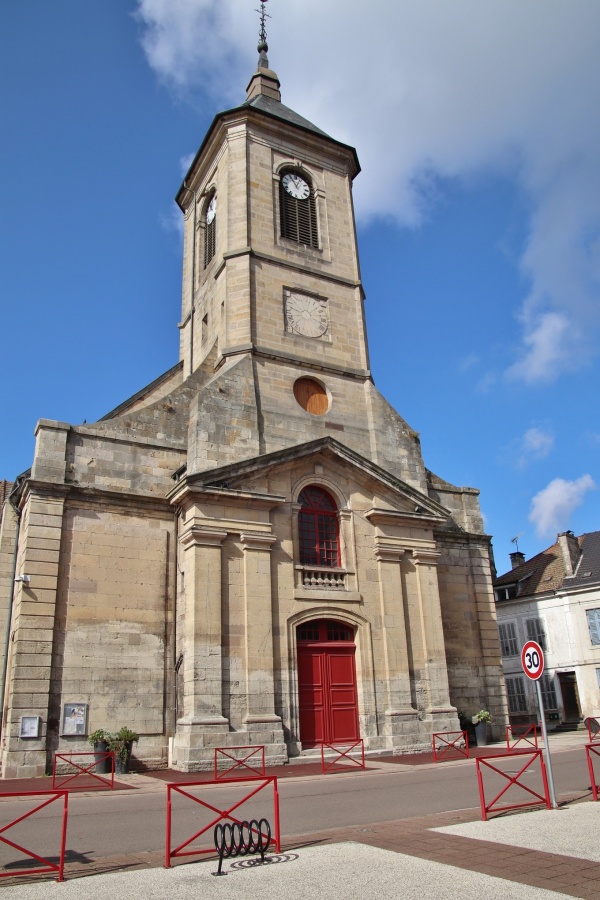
(430, 91)
(552, 506)
(535, 444)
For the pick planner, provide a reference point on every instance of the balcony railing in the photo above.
(323, 578)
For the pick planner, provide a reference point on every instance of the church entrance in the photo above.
(327, 683)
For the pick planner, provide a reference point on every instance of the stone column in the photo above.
(258, 622)
(400, 713)
(202, 641)
(434, 673)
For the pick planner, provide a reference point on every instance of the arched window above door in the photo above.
(318, 529)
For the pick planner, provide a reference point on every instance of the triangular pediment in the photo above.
(245, 476)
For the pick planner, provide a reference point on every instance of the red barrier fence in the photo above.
(343, 749)
(593, 727)
(47, 865)
(442, 742)
(256, 754)
(82, 770)
(595, 750)
(529, 758)
(522, 734)
(222, 815)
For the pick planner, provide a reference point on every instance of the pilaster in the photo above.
(434, 673)
(32, 631)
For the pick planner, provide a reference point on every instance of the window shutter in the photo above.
(593, 618)
(536, 632)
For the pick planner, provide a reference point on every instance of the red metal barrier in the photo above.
(49, 866)
(524, 734)
(84, 770)
(593, 727)
(258, 784)
(595, 749)
(532, 756)
(258, 752)
(338, 747)
(459, 743)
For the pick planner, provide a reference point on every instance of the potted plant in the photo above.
(99, 739)
(121, 744)
(480, 721)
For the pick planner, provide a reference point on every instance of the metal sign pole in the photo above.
(546, 746)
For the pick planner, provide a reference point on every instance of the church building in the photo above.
(251, 550)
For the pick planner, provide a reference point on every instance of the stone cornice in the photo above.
(424, 557)
(291, 359)
(385, 517)
(256, 540)
(201, 537)
(386, 551)
(186, 492)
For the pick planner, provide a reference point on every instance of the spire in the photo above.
(264, 81)
(263, 47)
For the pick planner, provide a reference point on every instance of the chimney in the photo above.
(569, 546)
(516, 559)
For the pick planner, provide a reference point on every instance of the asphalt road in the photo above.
(134, 822)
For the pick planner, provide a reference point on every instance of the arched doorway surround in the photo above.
(327, 695)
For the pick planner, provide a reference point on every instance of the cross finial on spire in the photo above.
(263, 47)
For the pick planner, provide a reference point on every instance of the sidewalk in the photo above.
(533, 854)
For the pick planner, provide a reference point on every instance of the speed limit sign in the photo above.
(532, 660)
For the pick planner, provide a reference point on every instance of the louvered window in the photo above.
(593, 618)
(298, 217)
(508, 639)
(210, 229)
(515, 692)
(535, 632)
(318, 529)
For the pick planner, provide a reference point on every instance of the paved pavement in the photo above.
(533, 854)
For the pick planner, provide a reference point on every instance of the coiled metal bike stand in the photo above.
(242, 839)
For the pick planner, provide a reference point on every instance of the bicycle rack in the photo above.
(222, 815)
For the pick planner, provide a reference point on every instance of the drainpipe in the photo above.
(193, 292)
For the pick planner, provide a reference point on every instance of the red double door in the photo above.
(327, 687)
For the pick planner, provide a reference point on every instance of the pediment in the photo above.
(246, 482)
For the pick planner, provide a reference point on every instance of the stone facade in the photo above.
(166, 582)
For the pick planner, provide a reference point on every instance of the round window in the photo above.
(311, 396)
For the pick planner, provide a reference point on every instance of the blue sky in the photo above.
(478, 216)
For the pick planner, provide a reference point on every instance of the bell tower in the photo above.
(272, 310)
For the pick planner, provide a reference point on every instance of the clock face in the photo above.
(306, 315)
(296, 186)
(211, 211)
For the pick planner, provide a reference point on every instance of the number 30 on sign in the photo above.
(532, 660)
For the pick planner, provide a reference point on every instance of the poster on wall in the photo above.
(74, 721)
(30, 726)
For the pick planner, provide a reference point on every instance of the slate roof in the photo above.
(546, 572)
(276, 108)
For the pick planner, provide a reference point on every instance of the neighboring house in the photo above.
(554, 599)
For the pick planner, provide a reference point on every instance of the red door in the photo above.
(327, 683)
